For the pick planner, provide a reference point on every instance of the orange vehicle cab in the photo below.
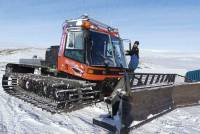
(91, 50)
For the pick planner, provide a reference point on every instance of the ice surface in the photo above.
(18, 117)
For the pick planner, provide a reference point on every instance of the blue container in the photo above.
(193, 75)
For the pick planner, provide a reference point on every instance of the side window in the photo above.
(118, 52)
(74, 40)
(78, 40)
(70, 40)
(74, 46)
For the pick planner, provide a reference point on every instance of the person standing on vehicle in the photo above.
(134, 53)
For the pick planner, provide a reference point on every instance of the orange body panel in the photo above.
(74, 68)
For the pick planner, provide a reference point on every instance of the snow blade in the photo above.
(135, 104)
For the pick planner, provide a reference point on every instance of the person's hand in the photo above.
(127, 52)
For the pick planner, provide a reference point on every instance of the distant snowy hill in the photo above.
(171, 60)
(18, 117)
(168, 62)
(14, 54)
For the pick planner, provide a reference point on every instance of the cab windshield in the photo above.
(101, 49)
(106, 50)
(95, 49)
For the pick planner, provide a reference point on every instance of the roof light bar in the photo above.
(88, 22)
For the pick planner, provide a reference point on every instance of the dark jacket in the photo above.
(134, 51)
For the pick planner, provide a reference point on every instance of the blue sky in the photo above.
(157, 24)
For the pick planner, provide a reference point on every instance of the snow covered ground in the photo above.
(18, 117)
(180, 121)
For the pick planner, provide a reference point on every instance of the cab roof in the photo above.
(93, 23)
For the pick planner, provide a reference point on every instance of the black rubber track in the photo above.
(50, 93)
